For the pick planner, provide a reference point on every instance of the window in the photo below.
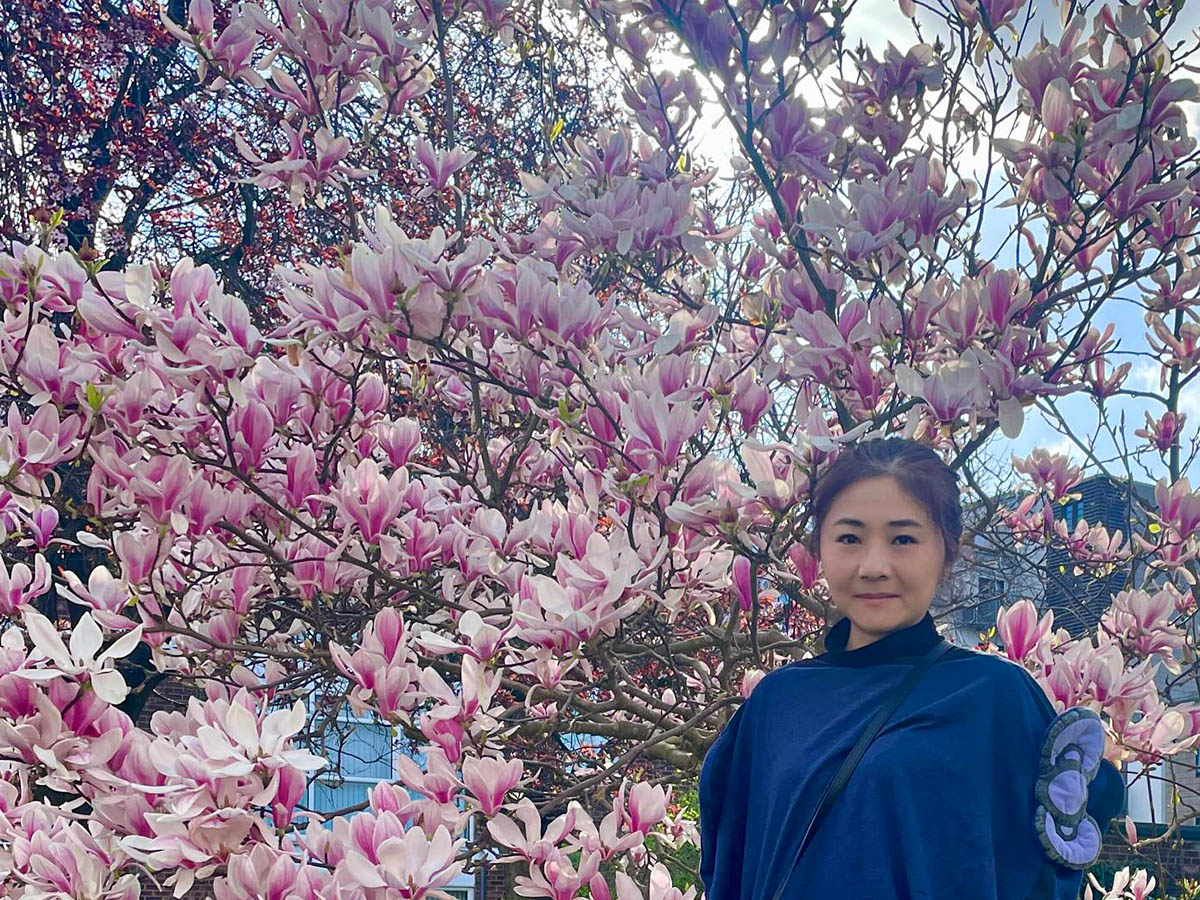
(1072, 513)
(1146, 793)
(991, 588)
(361, 752)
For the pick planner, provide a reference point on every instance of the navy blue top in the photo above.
(940, 807)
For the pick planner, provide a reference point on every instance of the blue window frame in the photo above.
(361, 753)
(1072, 513)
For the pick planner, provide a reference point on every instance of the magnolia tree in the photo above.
(502, 487)
(113, 119)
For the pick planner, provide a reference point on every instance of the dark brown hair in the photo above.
(918, 469)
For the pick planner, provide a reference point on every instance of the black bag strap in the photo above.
(834, 788)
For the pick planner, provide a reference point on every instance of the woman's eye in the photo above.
(907, 537)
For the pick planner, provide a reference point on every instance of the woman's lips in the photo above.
(876, 599)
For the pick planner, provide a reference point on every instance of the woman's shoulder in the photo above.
(1004, 674)
(963, 664)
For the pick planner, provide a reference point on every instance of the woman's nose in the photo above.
(874, 563)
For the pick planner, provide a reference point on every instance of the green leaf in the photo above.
(95, 398)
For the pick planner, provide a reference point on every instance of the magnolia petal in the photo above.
(1012, 417)
(1057, 108)
(241, 725)
(45, 638)
(909, 380)
(124, 645)
(110, 686)
(86, 638)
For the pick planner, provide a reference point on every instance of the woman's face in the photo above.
(878, 540)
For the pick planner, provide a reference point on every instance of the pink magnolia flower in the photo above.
(777, 479)
(458, 713)
(1103, 383)
(950, 391)
(301, 488)
(108, 597)
(161, 484)
(751, 400)
(1052, 473)
(241, 738)
(20, 585)
(1092, 543)
(231, 312)
(1019, 628)
(647, 806)
(1182, 351)
(1138, 886)
(399, 439)
(482, 641)
(561, 618)
(1141, 621)
(559, 878)
(43, 441)
(296, 170)
(383, 668)
(43, 523)
(750, 680)
(65, 859)
(994, 12)
(658, 429)
(190, 847)
(110, 314)
(795, 144)
(370, 501)
(292, 784)
(439, 165)
(267, 873)
(661, 887)
(741, 582)
(1171, 551)
(489, 779)
(1178, 505)
(231, 50)
(139, 551)
(528, 839)
(50, 371)
(410, 867)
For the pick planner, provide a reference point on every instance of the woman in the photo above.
(943, 804)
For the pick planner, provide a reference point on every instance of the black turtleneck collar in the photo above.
(914, 640)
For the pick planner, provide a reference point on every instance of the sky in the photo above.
(878, 22)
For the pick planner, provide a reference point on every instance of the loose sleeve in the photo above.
(723, 811)
(1106, 800)
(1106, 795)
(1078, 793)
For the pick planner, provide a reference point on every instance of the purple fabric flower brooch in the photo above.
(1071, 755)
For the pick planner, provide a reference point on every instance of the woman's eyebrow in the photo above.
(895, 523)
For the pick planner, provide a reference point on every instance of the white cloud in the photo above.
(1144, 375)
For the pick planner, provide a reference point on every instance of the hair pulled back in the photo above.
(918, 469)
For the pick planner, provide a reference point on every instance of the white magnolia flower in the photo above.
(79, 661)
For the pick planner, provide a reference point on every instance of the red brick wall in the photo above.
(1169, 861)
(498, 883)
